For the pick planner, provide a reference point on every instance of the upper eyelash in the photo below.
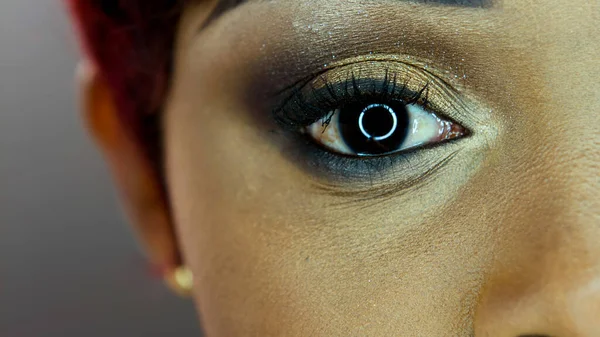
(300, 109)
(313, 97)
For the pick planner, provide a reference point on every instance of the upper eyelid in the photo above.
(421, 67)
(426, 66)
(410, 70)
(387, 89)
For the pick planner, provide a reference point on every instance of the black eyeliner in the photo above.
(318, 97)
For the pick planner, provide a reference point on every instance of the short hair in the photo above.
(130, 43)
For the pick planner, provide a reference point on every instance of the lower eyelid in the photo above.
(374, 177)
(391, 185)
(351, 173)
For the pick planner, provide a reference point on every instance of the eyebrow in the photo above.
(226, 5)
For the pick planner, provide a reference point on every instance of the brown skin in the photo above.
(502, 240)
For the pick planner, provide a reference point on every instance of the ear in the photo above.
(134, 173)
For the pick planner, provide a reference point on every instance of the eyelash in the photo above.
(306, 104)
(302, 109)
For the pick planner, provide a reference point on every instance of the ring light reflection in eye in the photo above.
(370, 136)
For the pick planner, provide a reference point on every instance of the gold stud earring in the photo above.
(180, 280)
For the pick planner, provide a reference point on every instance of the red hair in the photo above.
(130, 43)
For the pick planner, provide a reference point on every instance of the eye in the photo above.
(376, 128)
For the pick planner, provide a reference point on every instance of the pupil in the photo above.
(374, 128)
(378, 120)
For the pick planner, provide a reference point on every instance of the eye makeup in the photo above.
(381, 77)
(299, 76)
(376, 79)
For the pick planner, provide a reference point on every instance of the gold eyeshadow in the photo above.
(410, 77)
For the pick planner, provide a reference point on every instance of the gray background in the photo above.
(68, 264)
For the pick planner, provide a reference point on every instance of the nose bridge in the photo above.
(569, 288)
(564, 38)
(583, 307)
(575, 280)
(569, 126)
(565, 298)
(571, 61)
(548, 282)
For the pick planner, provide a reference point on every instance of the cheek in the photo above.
(231, 199)
(272, 255)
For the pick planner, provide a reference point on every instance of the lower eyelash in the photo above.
(380, 192)
(369, 177)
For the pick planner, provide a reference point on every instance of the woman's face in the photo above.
(389, 167)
